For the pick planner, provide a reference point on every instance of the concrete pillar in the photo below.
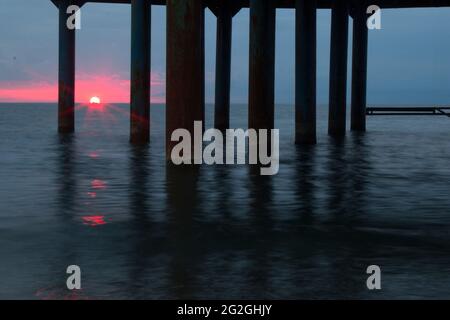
(202, 75)
(338, 68)
(66, 75)
(305, 71)
(359, 69)
(223, 67)
(185, 67)
(140, 71)
(262, 64)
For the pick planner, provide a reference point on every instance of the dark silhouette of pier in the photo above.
(185, 63)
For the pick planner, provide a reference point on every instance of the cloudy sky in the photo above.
(409, 59)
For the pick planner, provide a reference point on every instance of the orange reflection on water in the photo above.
(96, 107)
(93, 155)
(53, 293)
(98, 184)
(93, 221)
(100, 118)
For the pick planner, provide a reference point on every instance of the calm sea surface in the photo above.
(141, 229)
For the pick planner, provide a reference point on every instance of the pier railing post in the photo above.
(305, 71)
(223, 67)
(140, 71)
(359, 68)
(338, 68)
(66, 72)
(185, 67)
(262, 64)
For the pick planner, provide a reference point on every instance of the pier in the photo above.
(408, 111)
(185, 92)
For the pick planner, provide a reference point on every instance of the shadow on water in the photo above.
(66, 179)
(321, 251)
(140, 179)
(261, 248)
(58, 247)
(304, 183)
(183, 204)
(225, 231)
(347, 170)
(140, 173)
(360, 163)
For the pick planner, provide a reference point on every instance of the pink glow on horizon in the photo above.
(110, 88)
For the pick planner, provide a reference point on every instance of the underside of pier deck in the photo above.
(321, 4)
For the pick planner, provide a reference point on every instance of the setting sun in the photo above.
(95, 100)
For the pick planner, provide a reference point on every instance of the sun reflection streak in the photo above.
(99, 116)
(98, 184)
(93, 155)
(94, 221)
(53, 293)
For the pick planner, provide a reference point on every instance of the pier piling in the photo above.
(338, 68)
(305, 71)
(359, 69)
(185, 67)
(66, 75)
(140, 71)
(261, 64)
(223, 67)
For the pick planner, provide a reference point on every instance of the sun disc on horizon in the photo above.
(95, 100)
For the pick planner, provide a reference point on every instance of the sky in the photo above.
(409, 58)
